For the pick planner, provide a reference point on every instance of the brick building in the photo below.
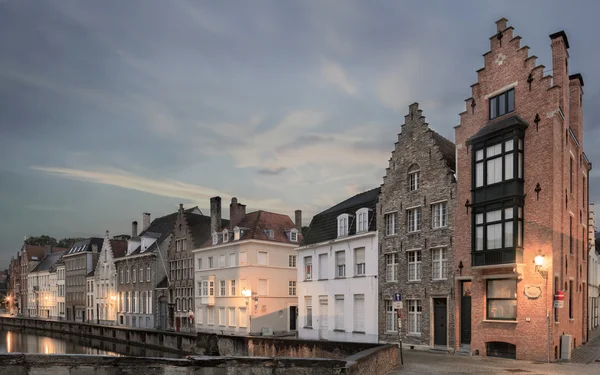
(415, 223)
(79, 261)
(522, 196)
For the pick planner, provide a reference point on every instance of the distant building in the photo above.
(14, 292)
(60, 290)
(337, 283)
(593, 277)
(243, 274)
(41, 291)
(105, 295)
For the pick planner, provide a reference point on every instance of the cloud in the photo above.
(272, 172)
(333, 73)
(37, 207)
(165, 188)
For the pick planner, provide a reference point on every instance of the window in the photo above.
(362, 224)
(440, 264)
(232, 287)
(308, 315)
(199, 263)
(263, 258)
(215, 238)
(205, 288)
(571, 175)
(141, 273)
(225, 235)
(340, 264)
(439, 215)
(391, 322)
(556, 290)
(323, 267)
(414, 219)
(294, 235)
(496, 163)
(502, 104)
(502, 299)
(583, 193)
(413, 178)
(359, 312)
(391, 224)
(148, 272)
(211, 263)
(236, 233)
(222, 288)
(570, 299)
(307, 268)
(211, 288)
(495, 228)
(231, 260)
(243, 257)
(342, 225)
(222, 261)
(391, 267)
(571, 235)
(211, 315)
(339, 312)
(414, 316)
(414, 265)
(243, 317)
(291, 288)
(263, 286)
(127, 268)
(292, 261)
(121, 275)
(222, 317)
(232, 316)
(359, 260)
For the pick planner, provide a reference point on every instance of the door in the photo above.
(177, 324)
(440, 308)
(465, 312)
(293, 317)
(323, 319)
(162, 312)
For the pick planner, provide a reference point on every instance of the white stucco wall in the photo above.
(328, 287)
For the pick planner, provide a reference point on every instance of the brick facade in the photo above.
(549, 111)
(418, 149)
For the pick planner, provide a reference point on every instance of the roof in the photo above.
(498, 126)
(48, 262)
(323, 226)
(254, 226)
(447, 148)
(36, 253)
(199, 227)
(91, 273)
(85, 245)
(119, 248)
(163, 284)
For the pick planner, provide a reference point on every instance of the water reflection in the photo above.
(16, 340)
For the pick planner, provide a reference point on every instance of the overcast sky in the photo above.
(109, 109)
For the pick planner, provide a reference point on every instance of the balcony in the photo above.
(496, 257)
(207, 300)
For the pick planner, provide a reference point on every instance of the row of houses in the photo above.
(484, 245)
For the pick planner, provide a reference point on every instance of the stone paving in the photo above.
(588, 353)
(425, 362)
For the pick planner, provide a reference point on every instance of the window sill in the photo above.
(391, 281)
(359, 276)
(413, 334)
(306, 327)
(413, 281)
(439, 280)
(323, 279)
(414, 232)
(391, 235)
(339, 330)
(571, 320)
(359, 332)
(499, 321)
(307, 281)
(340, 277)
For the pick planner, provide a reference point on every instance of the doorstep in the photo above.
(464, 349)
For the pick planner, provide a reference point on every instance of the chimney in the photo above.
(215, 214)
(575, 105)
(134, 229)
(237, 211)
(560, 69)
(501, 24)
(146, 221)
(298, 220)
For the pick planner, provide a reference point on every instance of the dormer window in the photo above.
(215, 238)
(236, 233)
(362, 224)
(294, 235)
(225, 235)
(343, 225)
(270, 233)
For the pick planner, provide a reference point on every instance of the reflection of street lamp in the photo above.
(538, 260)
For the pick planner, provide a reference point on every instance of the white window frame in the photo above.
(414, 264)
(342, 225)
(360, 268)
(308, 316)
(231, 260)
(414, 219)
(391, 267)
(439, 215)
(266, 292)
(200, 263)
(292, 261)
(359, 325)
(339, 312)
(243, 323)
(225, 235)
(439, 259)
(362, 221)
(415, 309)
(236, 233)
(340, 268)
(222, 317)
(211, 263)
(222, 288)
(232, 320)
(210, 315)
(391, 223)
(292, 288)
(414, 180)
(243, 258)
(222, 260)
(391, 320)
(294, 235)
(232, 288)
(258, 254)
(308, 268)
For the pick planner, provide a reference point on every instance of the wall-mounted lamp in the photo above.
(539, 264)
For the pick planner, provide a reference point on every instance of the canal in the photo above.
(18, 340)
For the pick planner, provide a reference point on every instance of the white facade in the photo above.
(40, 295)
(105, 285)
(90, 306)
(244, 287)
(53, 295)
(337, 288)
(593, 280)
(60, 291)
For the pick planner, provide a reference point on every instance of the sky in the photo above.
(112, 108)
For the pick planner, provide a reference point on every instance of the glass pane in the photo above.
(493, 150)
(493, 215)
(493, 109)
(479, 155)
(494, 236)
(520, 142)
(502, 288)
(479, 219)
(520, 166)
(508, 234)
(508, 145)
(508, 213)
(501, 104)
(520, 234)
(508, 166)
(479, 174)
(511, 100)
(520, 212)
(479, 238)
(502, 309)
(494, 171)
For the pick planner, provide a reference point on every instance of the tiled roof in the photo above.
(447, 148)
(119, 248)
(163, 284)
(48, 262)
(497, 126)
(256, 226)
(85, 245)
(323, 226)
(36, 253)
(199, 226)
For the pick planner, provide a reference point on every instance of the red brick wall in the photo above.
(546, 220)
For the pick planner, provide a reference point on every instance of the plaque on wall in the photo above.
(533, 291)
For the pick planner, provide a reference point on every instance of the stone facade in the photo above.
(419, 191)
(540, 127)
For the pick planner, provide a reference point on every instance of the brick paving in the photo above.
(426, 362)
(588, 353)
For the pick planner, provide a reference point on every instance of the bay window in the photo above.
(498, 162)
(497, 227)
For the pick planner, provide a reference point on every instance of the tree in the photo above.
(68, 242)
(42, 240)
(304, 231)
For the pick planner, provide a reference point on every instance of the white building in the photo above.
(105, 294)
(41, 292)
(53, 308)
(90, 311)
(593, 279)
(60, 290)
(337, 273)
(245, 275)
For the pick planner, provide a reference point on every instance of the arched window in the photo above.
(413, 178)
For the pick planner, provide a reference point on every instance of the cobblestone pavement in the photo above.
(424, 362)
(588, 353)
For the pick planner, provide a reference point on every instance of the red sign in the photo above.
(559, 296)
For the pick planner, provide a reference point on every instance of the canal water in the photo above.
(17, 340)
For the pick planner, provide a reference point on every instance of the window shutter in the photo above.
(262, 258)
(339, 312)
(359, 312)
(262, 287)
(340, 258)
(360, 256)
(243, 257)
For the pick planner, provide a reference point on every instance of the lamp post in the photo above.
(539, 268)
